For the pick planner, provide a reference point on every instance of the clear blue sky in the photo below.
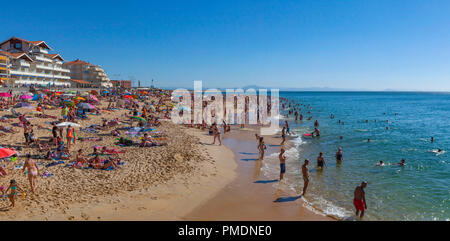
(361, 44)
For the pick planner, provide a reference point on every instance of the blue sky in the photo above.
(360, 44)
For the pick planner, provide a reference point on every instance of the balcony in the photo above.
(46, 67)
(37, 57)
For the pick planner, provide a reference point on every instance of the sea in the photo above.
(417, 191)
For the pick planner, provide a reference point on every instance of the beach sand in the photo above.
(189, 179)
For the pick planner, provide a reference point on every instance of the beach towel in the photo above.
(54, 163)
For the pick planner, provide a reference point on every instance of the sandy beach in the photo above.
(188, 179)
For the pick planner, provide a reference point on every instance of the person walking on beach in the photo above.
(216, 133)
(305, 172)
(70, 135)
(282, 158)
(14, 188)
(339, 157)
(33, 171)
(283, 135)
(321, 161)
(359, 200)
(261, 148)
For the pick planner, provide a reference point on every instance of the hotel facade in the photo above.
(85, 73)
(4, 69)
(31, 64)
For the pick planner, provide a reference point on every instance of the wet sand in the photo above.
(251, 196)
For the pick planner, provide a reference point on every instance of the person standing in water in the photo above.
(359, 200)
(316, 123)
(261, 147)
(282, 158)
(33, 171)
(305, 172)
(288, 130)
(321, 161)
(339, 157)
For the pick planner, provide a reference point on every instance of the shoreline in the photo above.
(251, 196)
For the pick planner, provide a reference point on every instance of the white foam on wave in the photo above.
(292, 179)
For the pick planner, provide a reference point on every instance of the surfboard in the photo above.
(307, 134)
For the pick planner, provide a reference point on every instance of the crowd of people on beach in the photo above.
(144, 107)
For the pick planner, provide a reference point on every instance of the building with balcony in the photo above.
(4, 69)
(31, 63)
(121, 83)
(84, 71)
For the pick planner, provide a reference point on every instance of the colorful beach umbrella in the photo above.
(85, 106)
(138, 118)
(127, 97)
(93, 97)
(4, 94)
(5, 152)
(62, 124)
(25, 97)
(80, 98)
(69, 103)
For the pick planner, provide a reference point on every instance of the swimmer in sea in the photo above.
(305, 173)
(316, 123)
(432, 139)
(381, 163)
(402, 163)
(359, 199)
(282, 158)
(368, 140)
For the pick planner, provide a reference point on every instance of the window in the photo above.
(18, 45)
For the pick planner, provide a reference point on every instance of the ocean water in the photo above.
(418, 191)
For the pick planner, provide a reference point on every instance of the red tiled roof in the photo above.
(16, 55)
(77, 61)
(54, 56)
(79, 81)
(27, 41)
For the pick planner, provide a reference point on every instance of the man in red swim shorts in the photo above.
(359, 199)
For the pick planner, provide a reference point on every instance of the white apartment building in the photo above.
(82, 71)
(31, 64)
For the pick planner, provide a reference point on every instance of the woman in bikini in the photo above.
(33, 171)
